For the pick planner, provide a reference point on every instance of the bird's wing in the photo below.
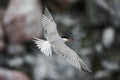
(44, 46)
(59, 45)
(70, 55)
(48, 21)
(48, 14)
(49, 26)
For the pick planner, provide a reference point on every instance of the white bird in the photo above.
(55, 42)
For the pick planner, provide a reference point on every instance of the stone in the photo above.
(2, 43)
(22, 20)
(108, 37)
(16, 62)
(12, 75)
(15, 49)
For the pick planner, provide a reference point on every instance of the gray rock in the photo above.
(12, 75)
(102, 75)
(108, 37)
(44, 68)
(16, 62)
(2, 43)
(110, 65)
(15, 49)
(99, 48)
(22, 20)
(29, 59)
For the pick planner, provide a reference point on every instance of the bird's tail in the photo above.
(44, 46)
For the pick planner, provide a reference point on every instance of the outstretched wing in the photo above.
(49, 26)
(70, 55)
(48, 14)
(48, 21)
(44, 46)
(59, 46)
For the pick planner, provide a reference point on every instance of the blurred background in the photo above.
(94, 26)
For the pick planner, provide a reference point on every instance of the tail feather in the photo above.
(44, 46)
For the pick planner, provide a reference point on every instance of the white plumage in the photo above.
(44, 46)
(57, 43)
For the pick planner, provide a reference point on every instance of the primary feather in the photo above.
(69, 55)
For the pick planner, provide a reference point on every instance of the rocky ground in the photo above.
(94, 26)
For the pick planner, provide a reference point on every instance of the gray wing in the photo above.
(59, 46)
(48, 24)
(70, 56)
(48, 14)
(50, 30)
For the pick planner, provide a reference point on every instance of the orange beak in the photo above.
(70, 40)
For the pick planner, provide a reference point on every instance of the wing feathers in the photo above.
(58, 45)
(44, 46)
(84, 67)
(48, 14)
(70, 56)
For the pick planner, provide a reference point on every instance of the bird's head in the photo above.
(66, 39)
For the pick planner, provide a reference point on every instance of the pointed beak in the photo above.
(70, 40)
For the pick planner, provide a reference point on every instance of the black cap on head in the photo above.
(69, 39)
(65, 37)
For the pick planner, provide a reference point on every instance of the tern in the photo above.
(55, 42)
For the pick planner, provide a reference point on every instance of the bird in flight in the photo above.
(57, 43)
